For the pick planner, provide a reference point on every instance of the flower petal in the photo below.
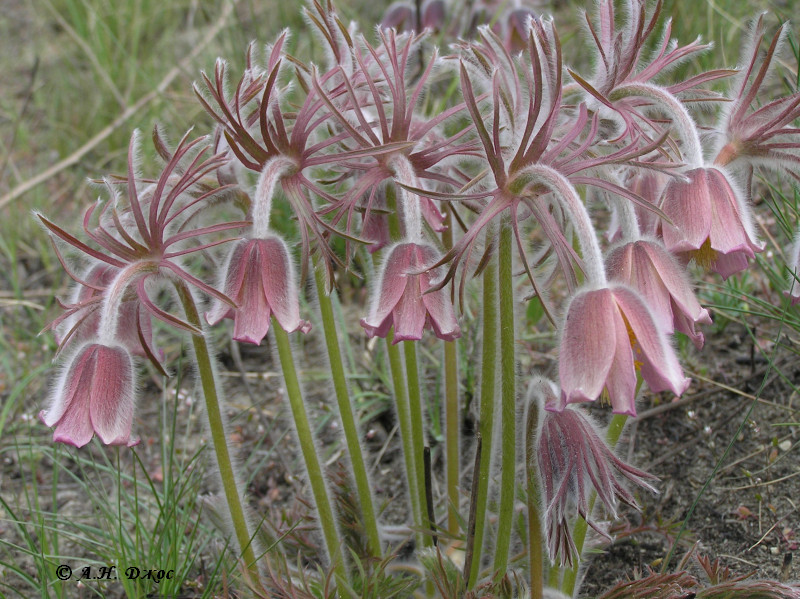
(621, 380)
(660, 367)
(280, 289)
(687, 204)
(234, 271)
(112, 395)
(251, 319)
(584, 359)
(410, 314)
(392, 281)
(727, 230)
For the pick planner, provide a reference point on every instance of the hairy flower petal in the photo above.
(95, 394)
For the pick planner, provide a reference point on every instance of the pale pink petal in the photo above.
(686, 325)
(646, 279)
(677, 282)
(687, 204)
(251, 320)
(584, 357)
(660, 367)
(112, 395)
(409, 314)
(68, 389)
(75, 426)
(234, 271)
(727, 265)
(392, 281)
(621, 381)
(280, 288)
(441, 314)
(70, 410)
(727, 233)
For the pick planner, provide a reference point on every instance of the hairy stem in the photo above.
(404, 418)
(417, 432)
(348, 418)
(508, 447)
(486, 416)
(452, 421)
(535, 538)
(213, 401)
(315, 475)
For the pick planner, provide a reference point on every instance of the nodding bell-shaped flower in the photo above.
(608, 335)
(259, 278)
(573, 462)
(400, 298)
(94, 395)
(710, 222)
(646, 266)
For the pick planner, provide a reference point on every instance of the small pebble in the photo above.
(785, 445)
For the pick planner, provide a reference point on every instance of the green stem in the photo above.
(417, 432)
(535, 537)
(348, 418)
(212, 397)
(452, 426)
(315, 476)
(581, 526)
(404, 418)
(508, 449)
(452, 421)
(486, 416)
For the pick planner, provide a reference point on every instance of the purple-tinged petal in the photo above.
(727, 265)
(584, 357)
(95, 393)
(233, 272)
(409, 314)
(251, 319)
(686, 310)
(659, 364)
(621, 381)
(433, 15)
(112, 398)
(392, 282)
(687, 205)
(280, 288)
(727, 230)
(632, 265)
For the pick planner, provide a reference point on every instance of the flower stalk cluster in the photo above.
(591, 194)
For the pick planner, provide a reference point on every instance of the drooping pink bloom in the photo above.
(94, 395)
(607, 336)
(400, 299)
(710, 221)
(259, 278)
(402, 16)
(574, 462)
(646, 266)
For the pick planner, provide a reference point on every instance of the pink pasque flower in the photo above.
(401, 298)
(710, 221)
(259, 278)
(608, 335)
(647, 267)
(573, 462)
(94, 395)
